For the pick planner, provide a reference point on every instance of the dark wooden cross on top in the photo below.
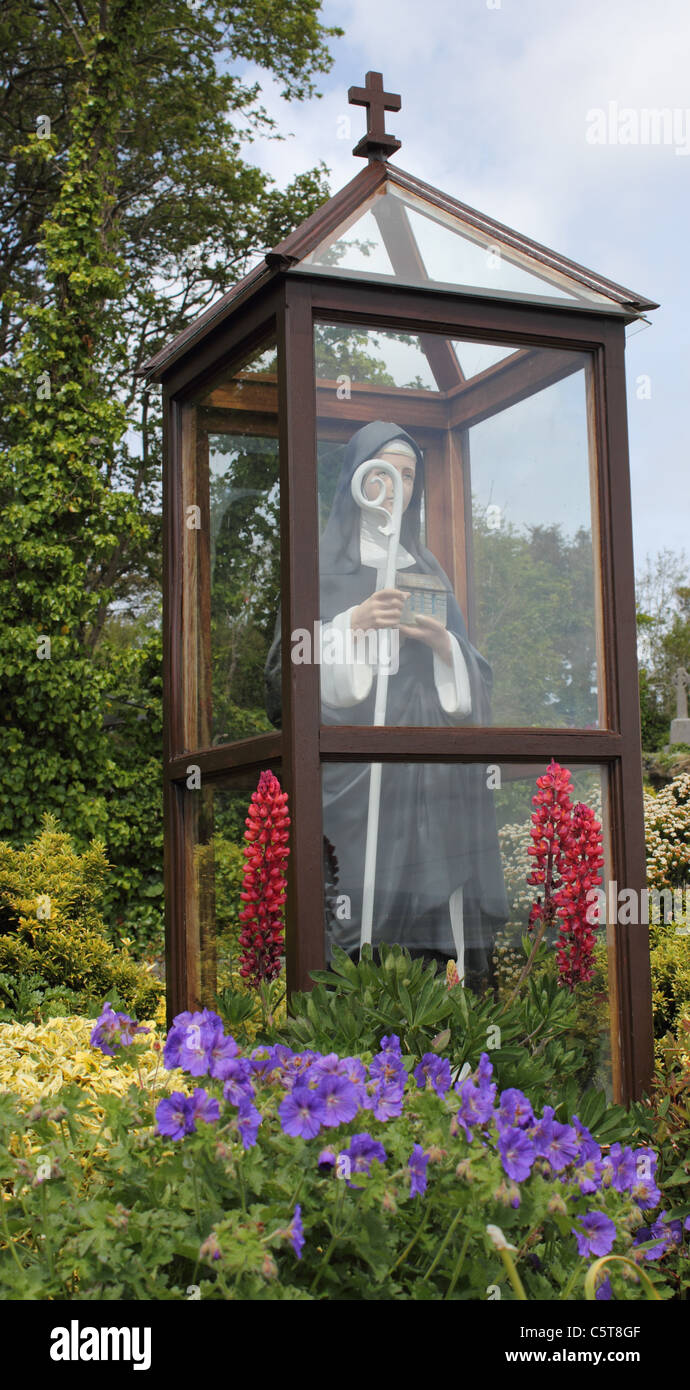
(377, 143)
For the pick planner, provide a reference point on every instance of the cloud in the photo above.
(495, 111)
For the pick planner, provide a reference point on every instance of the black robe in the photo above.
(437, 827)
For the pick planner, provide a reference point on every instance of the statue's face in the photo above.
(406, 468)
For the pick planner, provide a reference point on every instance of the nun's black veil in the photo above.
(437, 829)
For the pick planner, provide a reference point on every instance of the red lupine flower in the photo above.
(575, 944)
(263, 889)
(566, 854)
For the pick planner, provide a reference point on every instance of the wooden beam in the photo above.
(406, 260)
(445, 511)
(510, 381)
(467, 744)
(228, 758)
(299, 540)
(259, 398)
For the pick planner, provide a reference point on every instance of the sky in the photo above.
(498, 101)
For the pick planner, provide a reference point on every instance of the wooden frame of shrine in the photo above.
(279, 302)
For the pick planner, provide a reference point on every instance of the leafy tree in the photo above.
(663, 624)
(62, 515)
(123, 220)
(186, 208)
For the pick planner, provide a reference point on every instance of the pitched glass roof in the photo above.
(397, 235)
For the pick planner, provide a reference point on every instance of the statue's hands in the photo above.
(383, 609)
(433, 634)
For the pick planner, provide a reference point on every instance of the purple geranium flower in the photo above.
(514, 1110)
(248, 1121)
(326, 1159)
(296, 1069)
(339, 1100)
(238, 1084)
(645, 1190)
(435, 1070)
(556, 1142)
(385, 1102)
(362, 1151)
(476, 1105)
(484, 1073)
(328, 1065)
(195, 1046)
(105, 1031)
(221, 1052)
(354, 1070)
(517, 1153)
(173, 1042)
(302, 1113)
(173, 1116)
(282, 1055)
(620, 1165)
(295, 1232)
(203, 1107)
(263, 1059)
(114, 1030)
(417, 1164)
(187, 1049)
(598, 1235)
(604, 1291)
(588, 1145)
(667, 1233)
(387, 1065)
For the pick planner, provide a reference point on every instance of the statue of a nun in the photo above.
(438, 886)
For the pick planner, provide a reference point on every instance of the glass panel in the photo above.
(490, 613)
(448, 864)
(397, 235)
(232, 551)
(214, 830)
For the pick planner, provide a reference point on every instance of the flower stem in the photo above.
(409, 1247)
(529, 963)
(600, 1265)
(458, 1268)
(443, 1244)
(513, 1275)
(337, 1232)
(8, 1236)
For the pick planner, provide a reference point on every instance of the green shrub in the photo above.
(51, 930)
(537, 1043)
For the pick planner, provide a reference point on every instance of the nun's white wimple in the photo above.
(397, 446)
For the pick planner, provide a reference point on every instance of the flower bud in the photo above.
(210, 1249)
(498, 1239)
(503, 1195)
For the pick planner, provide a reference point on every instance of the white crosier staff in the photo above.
(391, 530)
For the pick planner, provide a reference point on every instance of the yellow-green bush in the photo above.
(51, 930)
(37, 1060)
